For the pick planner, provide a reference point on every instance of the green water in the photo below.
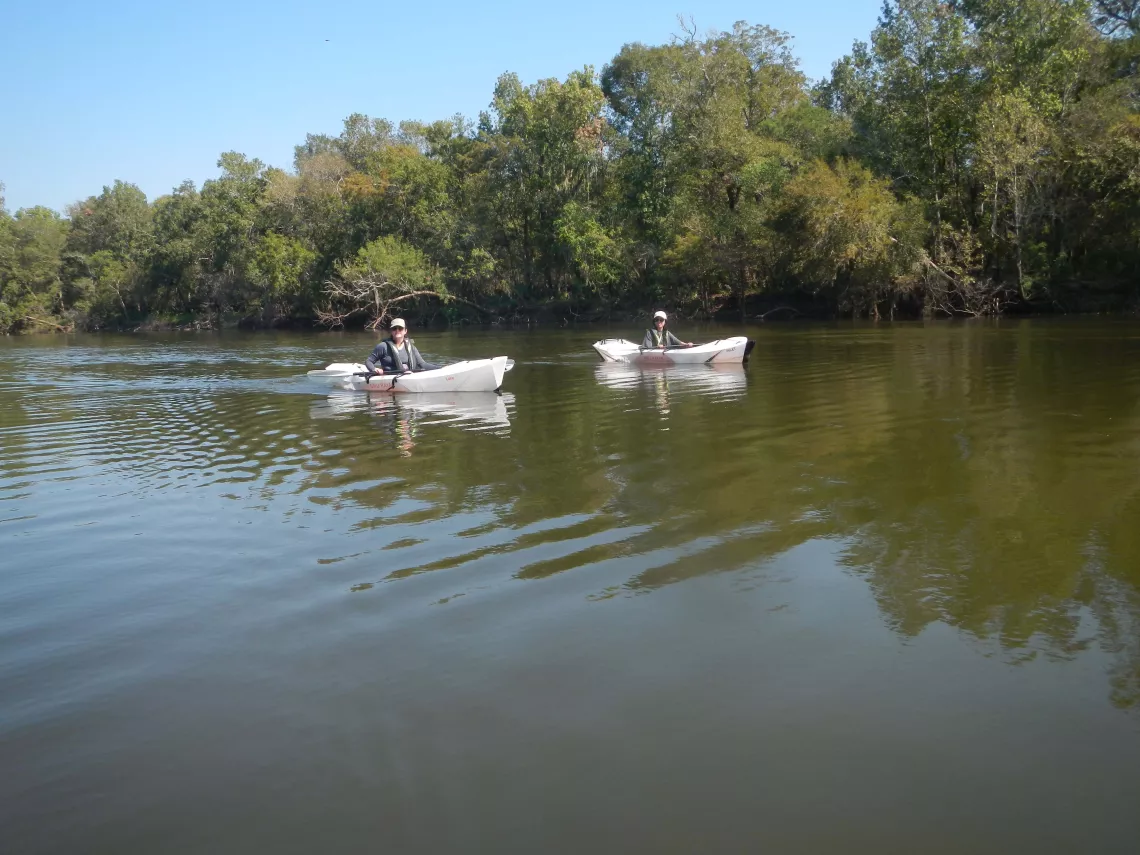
(878, 592)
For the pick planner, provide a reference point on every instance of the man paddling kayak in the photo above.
(661, 337)
(397, 354)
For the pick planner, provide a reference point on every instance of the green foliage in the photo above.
(595, 253)
(1000, 115)
(280, 267)
(31, 253)
(102, 298)
(545, 149)
(970, 156)
(383, 273)
(393, 261)
(710, 151)
(854, 238)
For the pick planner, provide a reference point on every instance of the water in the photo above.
(880, 592)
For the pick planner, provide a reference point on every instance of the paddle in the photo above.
(507, 367)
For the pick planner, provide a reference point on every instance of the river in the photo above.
(877, 592)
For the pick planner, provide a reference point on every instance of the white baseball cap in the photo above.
(397, 322)
(659, 314)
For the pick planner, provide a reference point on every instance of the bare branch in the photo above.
(44, 322)
(371, 295)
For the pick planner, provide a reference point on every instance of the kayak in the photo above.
(476, 375)
(733, 349)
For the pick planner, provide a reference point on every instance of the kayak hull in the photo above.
(728, 350)
(476, 375)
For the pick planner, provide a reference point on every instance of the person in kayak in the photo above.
(661, 337)
(397, 353)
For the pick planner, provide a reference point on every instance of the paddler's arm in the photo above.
(374, 357)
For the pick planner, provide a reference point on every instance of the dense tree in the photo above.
(31, 255)
(972, 156)
(384, 273)
(547, 150)
(985, 110)
(855, 240)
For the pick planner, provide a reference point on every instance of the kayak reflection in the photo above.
(469, 410)
(724, 382)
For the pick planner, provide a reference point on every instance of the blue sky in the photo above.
(152, 92)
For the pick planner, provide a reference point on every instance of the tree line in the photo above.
(973, 157)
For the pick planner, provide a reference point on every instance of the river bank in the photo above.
(791, 307)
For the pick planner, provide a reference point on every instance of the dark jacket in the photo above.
(385, 356)
(666, 339)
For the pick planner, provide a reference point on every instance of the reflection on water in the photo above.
(718, 382)
(404, 415)
(424, 601)
(469, 410)
(713, 382)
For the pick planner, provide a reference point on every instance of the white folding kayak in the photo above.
(733, 349)
(476, 375)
